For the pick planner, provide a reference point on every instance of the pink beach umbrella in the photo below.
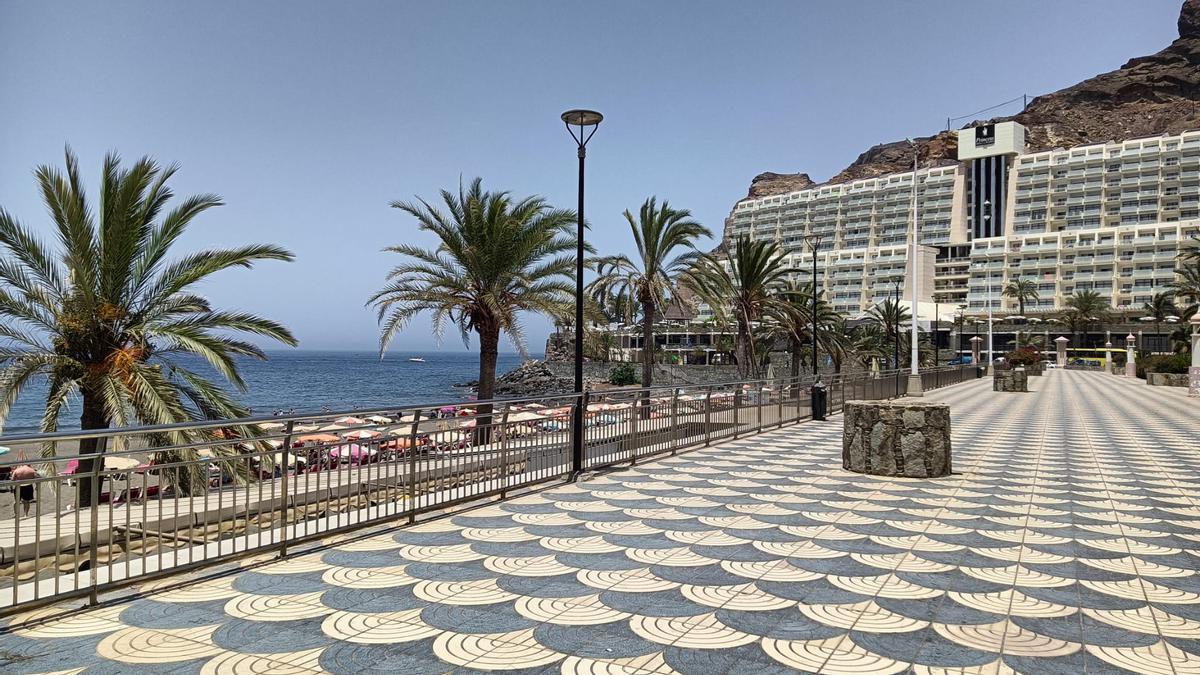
(355, 452)
(360, 434)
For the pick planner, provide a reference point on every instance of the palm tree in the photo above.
(666, 246)
(1022, 290)
(889, 315)
(1161, 306)
(496, 257)
(795, 321)
(742, 287)
(1187, 283)
(1085, 308)
(104, 316)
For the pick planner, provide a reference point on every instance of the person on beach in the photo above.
(26, 490)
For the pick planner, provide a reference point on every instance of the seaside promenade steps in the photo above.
(347, 471)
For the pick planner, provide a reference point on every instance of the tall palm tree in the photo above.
(1187, 283)
(1084, 309)
(795, 321)
(889, 315)
(665, 239)
(105, 315)
(1021, 290)
(497, 256)
(1161, 306)
(744, 288)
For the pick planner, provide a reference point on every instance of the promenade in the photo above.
(1067, 541)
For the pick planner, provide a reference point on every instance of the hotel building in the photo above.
(1108, 217)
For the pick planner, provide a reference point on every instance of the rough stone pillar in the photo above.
(975, 348)
(1060, 343)
(1130, 356)
(1194, 370)
(1108, 364)
(893, 438)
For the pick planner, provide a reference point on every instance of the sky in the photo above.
(309, 118)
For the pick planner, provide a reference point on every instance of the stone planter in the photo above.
(1166, 380)
(1010, 380)
(893, 438)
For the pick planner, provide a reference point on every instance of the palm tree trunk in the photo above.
(745, 361)
(92, 417)
(489, 347)
(647, 355)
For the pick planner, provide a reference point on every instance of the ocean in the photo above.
(307, 381)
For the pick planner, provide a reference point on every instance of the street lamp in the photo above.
(817, 392)
(814, 242)
(914, 374)
(896, 336)
(587, 122)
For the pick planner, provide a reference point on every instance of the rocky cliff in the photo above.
(1149, 95)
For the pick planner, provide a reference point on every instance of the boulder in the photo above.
(896, 438)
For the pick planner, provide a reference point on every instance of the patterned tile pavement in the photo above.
(1068, 542)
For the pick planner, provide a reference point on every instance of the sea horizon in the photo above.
(312, 380)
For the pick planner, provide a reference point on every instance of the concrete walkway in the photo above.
(1067, 543)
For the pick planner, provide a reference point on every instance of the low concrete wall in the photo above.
(1166, 380)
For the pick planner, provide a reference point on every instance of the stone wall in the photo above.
(894, 438)
(1166, 380)
(1010, 380)
(665, 375)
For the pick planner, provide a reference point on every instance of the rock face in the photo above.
(532, 378)
(1011, 381)
(1147, 96)
(769, 183)
(560, 347)
(896, 438)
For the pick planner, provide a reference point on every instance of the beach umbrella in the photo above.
(360, 434)
(524, 417)
(4, 451)
(332, 427)
(380, 419)
(349, 420)
(304, 428)
(319, 438)
(447, 409)
(271, 426)
(353, 451)
(72, 467)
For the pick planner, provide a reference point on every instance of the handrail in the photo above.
(275, 490)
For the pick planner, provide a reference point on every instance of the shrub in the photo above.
(623, 375)
(1177, 364)
(1025, 356)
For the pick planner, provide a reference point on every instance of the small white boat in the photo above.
(416, 359)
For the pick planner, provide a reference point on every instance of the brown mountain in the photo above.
(1147, 96)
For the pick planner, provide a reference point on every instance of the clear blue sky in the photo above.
(310, 117)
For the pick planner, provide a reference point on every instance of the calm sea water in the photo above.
(310, 380)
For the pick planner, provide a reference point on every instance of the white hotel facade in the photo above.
(1108, 217)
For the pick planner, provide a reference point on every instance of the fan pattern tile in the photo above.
(1068, 542)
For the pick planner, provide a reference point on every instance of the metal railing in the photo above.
(170, 498)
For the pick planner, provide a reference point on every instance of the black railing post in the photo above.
(412, 467)
(94, 506)
(708, 416)
(285, 498)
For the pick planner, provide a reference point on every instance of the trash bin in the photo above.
(820, 401)
(980, 371)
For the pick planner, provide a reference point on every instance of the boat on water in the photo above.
(417, 359)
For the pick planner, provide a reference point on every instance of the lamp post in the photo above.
(914, 373)
(814, 242)
(817, 393)
(587, 122)
(896, 336)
